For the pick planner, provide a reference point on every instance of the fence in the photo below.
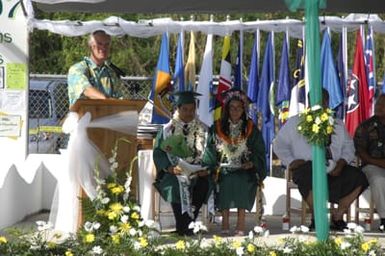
(48, 105)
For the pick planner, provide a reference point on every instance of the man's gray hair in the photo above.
(96, 32)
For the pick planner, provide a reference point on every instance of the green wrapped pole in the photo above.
(312, 37)
(320, 191)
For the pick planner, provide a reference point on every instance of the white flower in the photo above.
(382, 227)
(140, 233)
(124, 218)
(315, 107)
(345, 245)
(352, 225)
(258, 230)
(136, 208)
(132, 232)
(372, 253)
(197, 226)
(331, 120)
(359, 229)
(128, 183)
(105, 200)
(251, 235)
(96, 225)
(126, 209)
(304, 229)
(318, 120)
(239, 251)
(42, 225)
(294, 229)
(97, 250)
(141, 223)
(287, 250)
(111, 160)
(114, 166)
(137, 245)
(88, 226)
(113, 229)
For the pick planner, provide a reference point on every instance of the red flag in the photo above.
(358, 94)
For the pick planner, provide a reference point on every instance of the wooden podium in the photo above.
(105, 139)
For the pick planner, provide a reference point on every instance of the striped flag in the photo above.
(179, 66)
(224, 77)
(283, 87)
(252, 88)
(205, 110)
(369, 64)
(190, 65)
(162, 107)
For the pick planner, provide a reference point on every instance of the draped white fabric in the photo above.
(146, 28)
(83, 157)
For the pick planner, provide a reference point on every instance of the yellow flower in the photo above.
(143, 242)
(111, 215)
(135, 215)
(125, 227)
(315, 128)
(372, 241)
(51, 245)
(250, 248)
(3, 240)
(100, 212)
(117, 190)
(217, 240)
(272, 253)
(115, 238)
(180, 245)
(68, 253)
(338, 241)
(329, 129)
(111, 185)
(89, 238)
(324, 117)
(365, 247)
(236, 244)
(309, 118)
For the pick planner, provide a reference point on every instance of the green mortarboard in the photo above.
(185, 97)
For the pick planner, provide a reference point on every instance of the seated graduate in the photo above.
(345, 182)
(236, 150)
(369, 141)
(178, 149)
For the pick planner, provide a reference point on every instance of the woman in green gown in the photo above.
(236, 151)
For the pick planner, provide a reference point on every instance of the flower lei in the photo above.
(316, 124)
(195, 138)
(233, 146)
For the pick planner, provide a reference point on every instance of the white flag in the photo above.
(205, 112)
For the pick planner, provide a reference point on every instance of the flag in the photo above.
(252, 88)
(179, 67)
(283, 88)
(162, 105)
(224, 77)
(190, 65)
(238, 65)
(298, 91)
(358, 100)
(369, 64)
(329, 77)
(340, 65)
(383, 86)
(265, 100)
(205, 110)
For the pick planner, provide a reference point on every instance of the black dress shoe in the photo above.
(339, 225)
(312, 225)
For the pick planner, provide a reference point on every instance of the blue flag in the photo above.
(383, 86)
(282, 98)
(330, 80)
(179, 66)
(238, 69)
(160, 93)
(370, 66)
(264, 102)
(340, 65)
(252, 88)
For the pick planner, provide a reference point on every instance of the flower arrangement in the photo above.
(316, 124)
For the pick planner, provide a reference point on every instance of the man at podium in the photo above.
(95, 77)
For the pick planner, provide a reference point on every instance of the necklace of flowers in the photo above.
(233, 147)
(196, 135)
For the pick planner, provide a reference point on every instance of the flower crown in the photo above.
(237, 95)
